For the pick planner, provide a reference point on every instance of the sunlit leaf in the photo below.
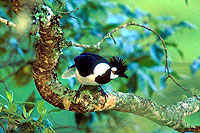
(40, 107)
(0, 109)
(9, 96)
(30, 111)
(24, 112)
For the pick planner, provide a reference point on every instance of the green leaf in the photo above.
(30, 111)
(10, 96)
(24, 112)
(0, 109)
(12, 107)
(40, 107)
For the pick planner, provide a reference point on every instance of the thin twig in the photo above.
(5, 21)
(69, 43)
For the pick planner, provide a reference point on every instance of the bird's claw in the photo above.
(105, 95)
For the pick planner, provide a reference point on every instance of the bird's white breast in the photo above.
(99, 69)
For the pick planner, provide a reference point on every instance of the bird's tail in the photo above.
(70, 72)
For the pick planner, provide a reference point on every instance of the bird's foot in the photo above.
(105, 95)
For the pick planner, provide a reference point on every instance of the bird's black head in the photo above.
(118, 68)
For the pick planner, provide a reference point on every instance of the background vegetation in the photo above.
(177, 23)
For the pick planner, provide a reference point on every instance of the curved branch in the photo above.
(47, 54)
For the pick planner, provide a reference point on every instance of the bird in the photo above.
(94, 70)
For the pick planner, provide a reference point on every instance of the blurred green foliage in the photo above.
(141, 49)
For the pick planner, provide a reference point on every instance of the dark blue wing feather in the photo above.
(86, 62)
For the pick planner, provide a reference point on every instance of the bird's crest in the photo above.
(119, 64)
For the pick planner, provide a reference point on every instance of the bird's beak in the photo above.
(124, 75)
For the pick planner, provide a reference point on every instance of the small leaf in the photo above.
(12, 107)
(10, 96)
(24, 112)
(30, 111)
(0, 109)
(40, 107)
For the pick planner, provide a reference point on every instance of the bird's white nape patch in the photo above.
(114, 69)
(101, 68)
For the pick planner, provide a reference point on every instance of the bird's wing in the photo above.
(86, 62)
(70, 72)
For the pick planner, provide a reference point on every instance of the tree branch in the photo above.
(47, 54)
(5, 21)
